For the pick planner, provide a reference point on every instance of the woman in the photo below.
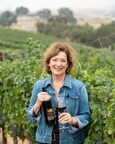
(59, 60)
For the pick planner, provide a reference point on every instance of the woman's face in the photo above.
(58, 64)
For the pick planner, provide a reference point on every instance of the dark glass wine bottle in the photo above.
(48, 111)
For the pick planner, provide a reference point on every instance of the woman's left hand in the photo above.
(67, 118)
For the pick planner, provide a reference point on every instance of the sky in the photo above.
(36, 5)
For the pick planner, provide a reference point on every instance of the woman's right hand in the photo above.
(43, 96)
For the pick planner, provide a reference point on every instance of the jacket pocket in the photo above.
(72, 103)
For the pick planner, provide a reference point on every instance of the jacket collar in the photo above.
(67, 81)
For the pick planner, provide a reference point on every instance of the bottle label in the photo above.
(50, 114)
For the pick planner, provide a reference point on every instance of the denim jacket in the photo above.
(76, 105)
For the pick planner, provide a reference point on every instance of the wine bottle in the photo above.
(48, 111)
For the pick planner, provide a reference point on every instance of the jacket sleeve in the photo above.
(83, 115)
(29, 109)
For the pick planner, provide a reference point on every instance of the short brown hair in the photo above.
(54, 49)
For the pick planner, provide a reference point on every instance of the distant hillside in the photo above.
(15, 39)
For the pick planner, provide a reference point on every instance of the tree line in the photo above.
(8, 17)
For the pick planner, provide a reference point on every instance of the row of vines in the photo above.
(95, 69)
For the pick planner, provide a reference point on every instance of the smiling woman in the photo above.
(59, 60)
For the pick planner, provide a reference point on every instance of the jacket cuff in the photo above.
(36, 117)
(75, 128)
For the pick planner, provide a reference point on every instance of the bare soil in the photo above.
(10, 139)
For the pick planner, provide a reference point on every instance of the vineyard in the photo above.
(15, 40)
(96, 68)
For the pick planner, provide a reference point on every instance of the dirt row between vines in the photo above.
(10, 139)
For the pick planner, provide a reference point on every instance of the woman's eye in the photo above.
(63, 60)
(54, 60)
